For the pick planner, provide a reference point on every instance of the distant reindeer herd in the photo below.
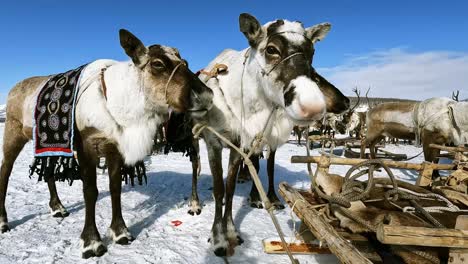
(269, 88)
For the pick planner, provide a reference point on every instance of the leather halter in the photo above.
(264, 71)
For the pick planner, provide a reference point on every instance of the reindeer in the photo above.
(119, 124)
(436, 120)
(266, 90)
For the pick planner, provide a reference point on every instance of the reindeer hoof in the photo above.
(278, 206)
(256, 204)
(240, 241)
(220, 251)
(94, 249)
(193, 212)
(195, 208)
(4, 228)
(123, 239)
(60, 212)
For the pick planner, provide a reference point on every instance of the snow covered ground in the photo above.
(2, 112)
(36, 237)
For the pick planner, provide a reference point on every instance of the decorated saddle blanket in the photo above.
(54, 128)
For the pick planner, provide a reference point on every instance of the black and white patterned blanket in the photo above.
(54, 128)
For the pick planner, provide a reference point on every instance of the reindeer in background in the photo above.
(455, 96)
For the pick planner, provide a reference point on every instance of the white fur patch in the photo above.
(3, 223)
(354, 122)
(93, 246)
(195, 206)
(126, 117)
(231, 230)
(116, 238)
(61, 210)
(308, 103)
(220, 240)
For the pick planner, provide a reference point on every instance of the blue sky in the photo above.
(44, 37)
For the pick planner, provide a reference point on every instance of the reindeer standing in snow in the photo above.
(267, 90)
(118, 122)
(436, 120)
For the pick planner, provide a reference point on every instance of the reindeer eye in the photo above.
(272, 50)
(159, 65)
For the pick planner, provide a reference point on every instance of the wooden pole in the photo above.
(452, 149)
(425, 174)
(459, 255)
(340, 247)
(422, 236)
(389, 163)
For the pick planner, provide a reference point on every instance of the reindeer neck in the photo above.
(126, 99)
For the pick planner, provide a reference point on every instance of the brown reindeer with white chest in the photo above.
(118, 122)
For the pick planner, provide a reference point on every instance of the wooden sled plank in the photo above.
(390, 163)
(274, 246)
(422, 236)
(339, 246)
(459, 255)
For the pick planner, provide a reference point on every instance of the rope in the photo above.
(198, 128)
(170, 78)
(413, 157)
(353, 190)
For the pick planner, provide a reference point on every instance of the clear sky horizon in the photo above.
(405, 49)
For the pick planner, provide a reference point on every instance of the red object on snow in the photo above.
(176, 223)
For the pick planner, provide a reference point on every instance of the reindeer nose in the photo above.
(313, 110)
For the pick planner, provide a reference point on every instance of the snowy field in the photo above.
(148, 210)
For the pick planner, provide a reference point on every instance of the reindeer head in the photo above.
(349, 113)
(166, 78)
(280, 56)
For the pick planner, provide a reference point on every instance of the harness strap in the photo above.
(217, 69)
(103, 83)
(170, 78)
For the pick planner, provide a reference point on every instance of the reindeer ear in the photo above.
(251, 28)
(318, 32)
(133, 47)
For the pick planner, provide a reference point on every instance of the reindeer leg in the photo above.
(118, 230)
(55, 205)
(271, 182)
(372, 141)
(195, 207)
(228, 223)
(13, 143)
(430, 154)
(244, 174)
(254, 196)
(218, 236)
(91, 244)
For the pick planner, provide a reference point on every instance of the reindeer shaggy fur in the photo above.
(120, 126)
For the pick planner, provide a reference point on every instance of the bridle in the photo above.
(171, 76)
(267, 72)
